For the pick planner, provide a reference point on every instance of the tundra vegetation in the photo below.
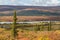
(25, 31)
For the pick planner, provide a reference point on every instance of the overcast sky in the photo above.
(31, 2)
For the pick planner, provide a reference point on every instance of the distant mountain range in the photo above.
(8, 10)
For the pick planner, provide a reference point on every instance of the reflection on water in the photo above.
(31, 22)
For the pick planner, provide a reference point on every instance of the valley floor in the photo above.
(35, 31)
(29, 18)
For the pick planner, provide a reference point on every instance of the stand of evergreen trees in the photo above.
(14, 31)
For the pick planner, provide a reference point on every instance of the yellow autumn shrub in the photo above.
(43, 38)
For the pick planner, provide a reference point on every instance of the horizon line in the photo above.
(26, 5)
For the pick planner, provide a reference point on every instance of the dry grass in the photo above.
(31, 35)
(39, 35)
(5, 34)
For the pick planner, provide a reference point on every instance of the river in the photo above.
(29, 22)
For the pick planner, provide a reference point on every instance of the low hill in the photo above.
(8, 10)
(30, 13)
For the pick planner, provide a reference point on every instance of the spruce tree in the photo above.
(14, 26)
(49, 27)
(42, 27)
(37, 27)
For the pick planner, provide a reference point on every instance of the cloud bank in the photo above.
(31, 2)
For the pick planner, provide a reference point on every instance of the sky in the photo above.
(31, 2)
